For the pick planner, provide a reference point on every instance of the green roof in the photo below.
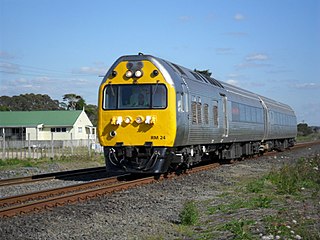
(34, 118)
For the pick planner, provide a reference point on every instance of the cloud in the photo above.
(6, 67)
(185, 18)
(233, 82)
(6, 55)
(310, 85)
(257, 57)
(97, 70)
(224, 50)
(239, 17)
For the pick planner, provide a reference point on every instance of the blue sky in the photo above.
(271, 47)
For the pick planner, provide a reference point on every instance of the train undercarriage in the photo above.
(156, 160)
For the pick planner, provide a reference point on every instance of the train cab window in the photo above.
(142, 96)
(110, 97)
(159, 96)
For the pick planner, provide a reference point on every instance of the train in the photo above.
(155, 116)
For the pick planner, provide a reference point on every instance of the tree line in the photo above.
(43, 102)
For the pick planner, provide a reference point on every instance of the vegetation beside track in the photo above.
(63, 162)
(283, 204)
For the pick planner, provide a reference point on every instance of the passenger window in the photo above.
(215, 113)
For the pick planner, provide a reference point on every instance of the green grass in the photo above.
(189, 214)
(282, 191)
(240, 228)
(81, 159)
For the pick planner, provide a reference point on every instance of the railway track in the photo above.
(48, 199)
(50, 176)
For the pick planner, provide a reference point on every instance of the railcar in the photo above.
(155, 116)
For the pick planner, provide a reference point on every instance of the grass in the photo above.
(288, 196)
(309, 138)
(189, 214)
(80, 160)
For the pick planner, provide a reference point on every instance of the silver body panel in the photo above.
(190, 86)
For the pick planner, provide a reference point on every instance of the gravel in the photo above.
(146, 212)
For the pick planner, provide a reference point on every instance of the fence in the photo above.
(47, 148)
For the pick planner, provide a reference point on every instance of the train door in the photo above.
(266, 119)
(183, 114)
(225, 124)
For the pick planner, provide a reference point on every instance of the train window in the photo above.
(206, 113)
(159, 96)
(215, 113)
(199, 115)
(110, 94)
(142, 96)
(178, 68)
(194, 112)
(180, 102)
(235, 112)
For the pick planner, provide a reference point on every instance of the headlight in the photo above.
(128, 119)
(129, 74)
(139, 119)
(138, 73)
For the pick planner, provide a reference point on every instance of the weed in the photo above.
(189, 214)
(291, 178)
(240, 228)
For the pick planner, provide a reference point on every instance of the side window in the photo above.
(194, 110)
(110, 97)
(215, 113)
(180, 102)
(206, 113)
(199, 114)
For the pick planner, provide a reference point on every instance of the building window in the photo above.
(58, 129)
(79, 129)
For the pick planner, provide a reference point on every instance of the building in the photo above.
(46, 125)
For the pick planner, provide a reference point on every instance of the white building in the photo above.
(46, 125)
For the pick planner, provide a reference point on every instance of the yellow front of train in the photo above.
(136, 116)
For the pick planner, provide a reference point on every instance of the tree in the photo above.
(72, 100)
(91, 111)
(206, 73)
(304, 129)
(28, 102)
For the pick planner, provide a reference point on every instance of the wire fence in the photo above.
(35, 149)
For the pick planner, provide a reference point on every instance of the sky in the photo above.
(270, 47)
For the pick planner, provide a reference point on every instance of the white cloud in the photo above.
(96, 70)
(6, 55)
(310, 85)
(224, 50)
(239, 17)
(233, 82)
(7, 67)
(257, 57)
(185, 18)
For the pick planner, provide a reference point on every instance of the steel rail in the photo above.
(69, 198)
(49, 176)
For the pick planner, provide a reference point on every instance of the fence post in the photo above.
(3, 144)
(29, 147)
(52, 153)
(89, 150)
(71, 144)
